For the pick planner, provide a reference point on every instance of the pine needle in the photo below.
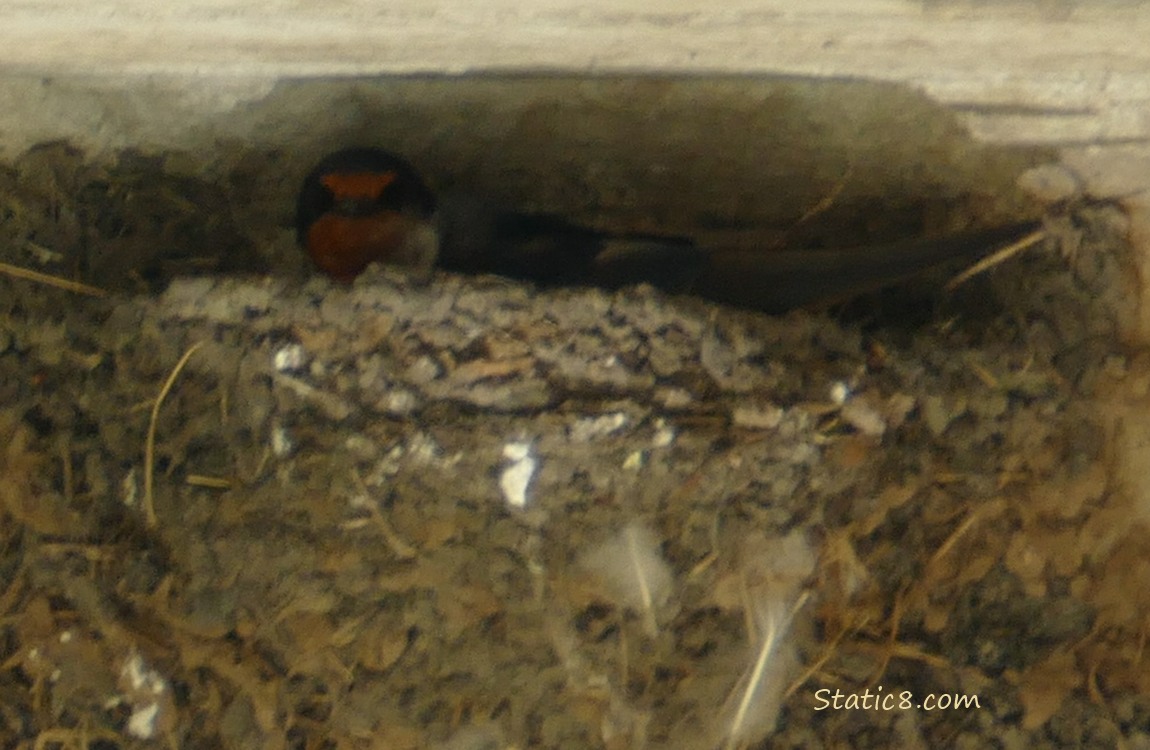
(150, 443)
(827, 200)
(28, 274)
(995, 258)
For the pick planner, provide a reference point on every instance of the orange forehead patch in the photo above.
(358, 185)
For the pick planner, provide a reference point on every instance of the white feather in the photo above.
(756, 711)
(634, 573)
(773, 573)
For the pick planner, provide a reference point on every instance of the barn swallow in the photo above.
(363, 205)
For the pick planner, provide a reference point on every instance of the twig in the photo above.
(827, 200)
(896, 615)
(399, 547)
(213, 483)
(69, 472)
(43, 278)
(901, 651)
(986, 376)
(996, 257)
(818, 663)
(150, 443)
(11, 593)
(947, 545)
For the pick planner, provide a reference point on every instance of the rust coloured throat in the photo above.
(357, 186)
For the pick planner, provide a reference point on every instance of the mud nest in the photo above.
(471, 514)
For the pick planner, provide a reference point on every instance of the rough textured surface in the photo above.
(388, 516)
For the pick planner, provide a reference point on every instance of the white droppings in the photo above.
(423, 448)
(129, 488)
(587, 429)
(143, 689)
(134, 671)
(864, 418)
(664, 434)
(517, 451)
(400, 402)
(517, 476)
(66, 636)
(282, 444)
(635, 460)
(142, 722)
(290, 358)
(840, 392)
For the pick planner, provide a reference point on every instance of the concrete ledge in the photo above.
(1066, 71)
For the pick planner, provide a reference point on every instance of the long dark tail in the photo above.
(777, 281)
(551, 251)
